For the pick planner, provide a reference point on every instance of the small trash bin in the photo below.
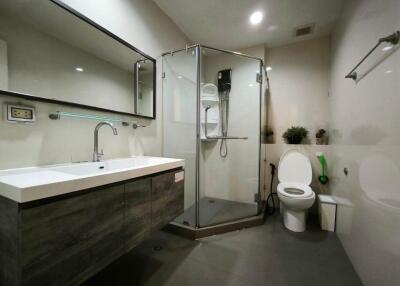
(327, 208)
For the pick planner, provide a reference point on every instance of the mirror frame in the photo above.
(72, 104)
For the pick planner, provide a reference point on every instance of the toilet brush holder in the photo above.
(323, 178)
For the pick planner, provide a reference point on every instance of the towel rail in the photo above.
(392, 39)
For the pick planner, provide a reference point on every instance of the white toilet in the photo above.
(294, 192)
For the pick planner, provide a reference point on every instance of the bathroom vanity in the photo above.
(59, 225)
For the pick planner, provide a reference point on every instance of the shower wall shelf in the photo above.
(60, 114)
(209, 94)
(210, 121)
(393, 39)
(207, 99)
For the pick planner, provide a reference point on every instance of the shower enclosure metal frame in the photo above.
(258, 216)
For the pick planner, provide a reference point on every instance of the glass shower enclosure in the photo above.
(212, 119)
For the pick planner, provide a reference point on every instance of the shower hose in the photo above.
(224, 119)
(270, 197)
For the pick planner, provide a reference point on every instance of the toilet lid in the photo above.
(294, 167)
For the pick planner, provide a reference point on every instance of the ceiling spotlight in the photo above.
(180, 77)
(256, 18)
(79, 69)
(268, 68)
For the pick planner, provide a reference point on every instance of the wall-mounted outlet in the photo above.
(19, 113)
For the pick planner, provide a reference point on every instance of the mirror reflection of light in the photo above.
(79, 69)
(256, 18)
(387, 48)
(268, 68)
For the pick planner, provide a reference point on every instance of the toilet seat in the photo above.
(304, 191)
(295, 167)
(294, 192)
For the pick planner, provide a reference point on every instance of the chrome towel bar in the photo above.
(392, 39)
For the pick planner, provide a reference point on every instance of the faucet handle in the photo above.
(136, 125)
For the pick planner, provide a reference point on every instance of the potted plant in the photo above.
(321, 137)
(295, 134)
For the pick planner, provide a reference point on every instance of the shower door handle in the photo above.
(218, 137)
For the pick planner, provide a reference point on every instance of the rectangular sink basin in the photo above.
(93, 168)
(33, 183)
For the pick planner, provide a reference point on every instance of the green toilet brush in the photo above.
(323, 179)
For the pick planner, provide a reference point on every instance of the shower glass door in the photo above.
(180, 121)
(229, 140)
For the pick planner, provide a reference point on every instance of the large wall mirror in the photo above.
(50, 52)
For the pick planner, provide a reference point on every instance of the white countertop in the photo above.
(33, 183)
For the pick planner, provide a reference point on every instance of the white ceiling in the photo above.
(225, 23)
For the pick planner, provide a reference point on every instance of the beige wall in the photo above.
(364, 127)
(298, 96)
(3, 65)
(139, 22)
(299, 86)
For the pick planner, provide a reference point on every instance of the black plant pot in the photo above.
(294, 140)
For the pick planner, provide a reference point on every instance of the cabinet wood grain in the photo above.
(9, 246)
(167, 198)
(137, 211)
(64, 240)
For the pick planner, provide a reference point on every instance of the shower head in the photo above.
(224, 80)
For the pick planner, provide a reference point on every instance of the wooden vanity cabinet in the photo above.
(66, 239)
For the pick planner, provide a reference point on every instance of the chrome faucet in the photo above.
(96, 154)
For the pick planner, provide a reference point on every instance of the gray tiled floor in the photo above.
(214, 211)
(264, 255)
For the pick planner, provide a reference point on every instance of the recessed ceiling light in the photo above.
(268, 68)
(388, 71)
(387, 48)
(179, 77)
(256, 18)
(79, 69)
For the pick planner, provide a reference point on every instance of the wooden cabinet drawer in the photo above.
(137, 211)
(167, 197)
(63, 239)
